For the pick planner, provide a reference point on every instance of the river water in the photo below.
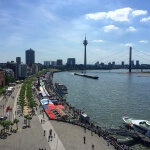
(115, 94)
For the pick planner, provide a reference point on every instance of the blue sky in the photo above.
(55, 29)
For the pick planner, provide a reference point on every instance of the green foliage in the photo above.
(16, 122)
(9, 79)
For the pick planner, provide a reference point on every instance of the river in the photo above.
(115, 94)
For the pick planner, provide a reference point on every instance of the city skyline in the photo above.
(56, 29)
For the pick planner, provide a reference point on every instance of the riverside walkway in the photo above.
(67, 136)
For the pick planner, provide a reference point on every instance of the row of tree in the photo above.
(26, 98)
(7, 124)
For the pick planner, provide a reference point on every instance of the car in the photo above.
(3, 118)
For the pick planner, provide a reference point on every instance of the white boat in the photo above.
(141, 126)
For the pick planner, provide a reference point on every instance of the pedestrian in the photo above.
(54, 135)
(49, 138)
(43, 115)
(50, 132)
(91, 132)
(92, 146)
(84, 138)
(41, 121)
(44, 132)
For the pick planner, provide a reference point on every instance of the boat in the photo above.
(87, 76)
(141, 126)
(61, 88)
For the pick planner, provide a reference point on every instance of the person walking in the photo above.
(84, 138)
(91, 132)
(44, 132)
(41, 121)
(49, 138)
(92, 146)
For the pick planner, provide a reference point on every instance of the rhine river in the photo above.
(115, 94)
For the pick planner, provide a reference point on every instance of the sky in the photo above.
(55, 29)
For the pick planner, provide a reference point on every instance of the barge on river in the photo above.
(87, 76)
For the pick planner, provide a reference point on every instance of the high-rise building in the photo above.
(35, 68)
(137, 63)
(59, 62)
(14, 66)
(47, 64)
(53, 63)
(30, 56)
(18, 60)
(113, 63)
(22, 71)
(71, 61)
(132, 63)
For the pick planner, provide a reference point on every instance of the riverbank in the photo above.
(76, 117)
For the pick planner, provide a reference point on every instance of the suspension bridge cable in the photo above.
(118, 57)
(141, 52)
(142, 58)
(110, 55)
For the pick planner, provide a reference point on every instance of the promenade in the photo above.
(65, 136)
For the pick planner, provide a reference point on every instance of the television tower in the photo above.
(85, 42)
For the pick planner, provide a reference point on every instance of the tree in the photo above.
(9, 79)
(32, 104)
(16, 122)
(5, 124)
(28, 117)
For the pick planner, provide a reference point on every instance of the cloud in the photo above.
(127, 44)
(139, 12)
(131, 29)
(145, 19)
(110, 27)
(96, 16)
(143, 41)
(120, 15)
(98, 41)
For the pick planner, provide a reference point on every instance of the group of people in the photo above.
(50, 136)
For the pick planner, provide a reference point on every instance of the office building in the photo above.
(18, 60)
(132, 63)
(14, 66)
(59, 62)
(47, 64)
(30, 57)
(137, 63)
(22, 69)
(53, 63)
(35, 68)
(122, 63)
(71, 61)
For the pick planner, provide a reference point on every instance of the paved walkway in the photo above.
(55, 143)
(67, 136)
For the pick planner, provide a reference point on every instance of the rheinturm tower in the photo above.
(85, 42)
